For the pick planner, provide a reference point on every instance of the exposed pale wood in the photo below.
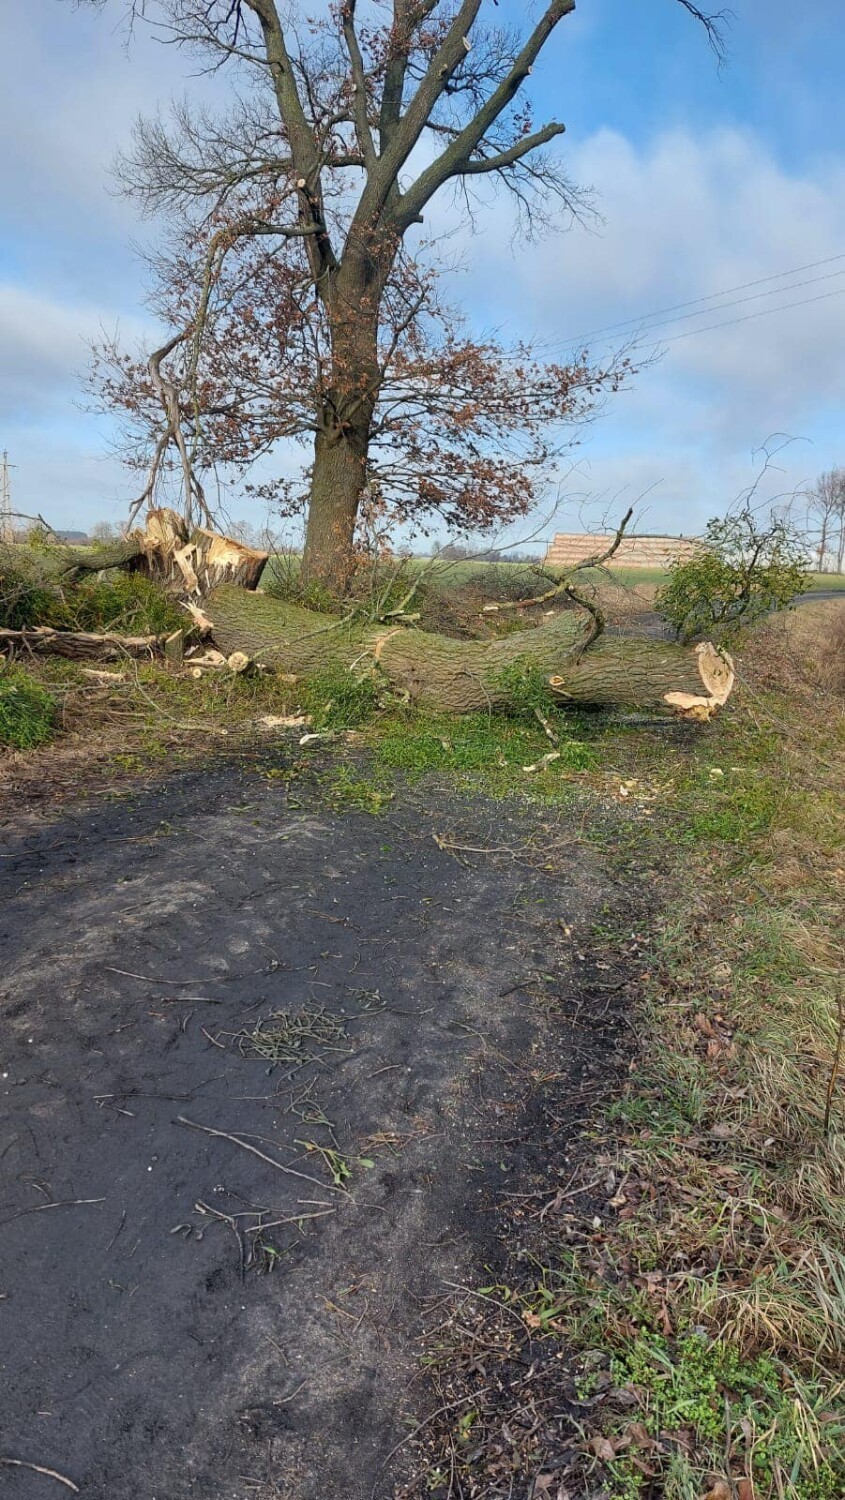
(174, 648)
(104, 677)
(201, 561)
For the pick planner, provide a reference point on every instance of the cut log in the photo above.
(461, 676)
(82, 645)
(692, 681)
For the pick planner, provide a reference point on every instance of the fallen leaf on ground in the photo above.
(608, 1448)
(637, 1433)
(603, 1449)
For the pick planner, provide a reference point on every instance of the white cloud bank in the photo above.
(685, 218)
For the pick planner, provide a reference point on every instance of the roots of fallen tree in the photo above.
(462, 676)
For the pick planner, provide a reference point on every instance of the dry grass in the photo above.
(729, 1143)
(801, 652)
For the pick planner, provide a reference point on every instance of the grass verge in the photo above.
(715, 1282)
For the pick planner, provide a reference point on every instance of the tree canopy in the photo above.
(300, 280)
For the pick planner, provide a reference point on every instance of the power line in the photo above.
(744, 286)
(741, 301)
(749, 317)
(765, 312)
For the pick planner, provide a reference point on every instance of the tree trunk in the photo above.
(338, 480)
(461, 676)
(60, 564)
(823, 544)
(339, 476)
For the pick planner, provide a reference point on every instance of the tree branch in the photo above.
(513, 154)
(714, 23)
(443, 66)
(406, 17)
(456, 156)
(306, 159)
(363, 133)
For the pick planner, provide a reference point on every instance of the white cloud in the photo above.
(43, 348)
(685, 218)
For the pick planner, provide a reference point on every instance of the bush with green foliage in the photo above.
(746, 568)
(27, 710)
(128, 603)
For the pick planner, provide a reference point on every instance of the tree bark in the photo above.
(339, 475)
(60, 564)
(338, 480)
(462, 676)
(83, 645)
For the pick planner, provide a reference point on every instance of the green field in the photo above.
(447, 575)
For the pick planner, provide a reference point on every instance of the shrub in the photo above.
(27, 710)
(129, 603)
(744, 570)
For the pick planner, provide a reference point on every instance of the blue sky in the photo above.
(706, 179)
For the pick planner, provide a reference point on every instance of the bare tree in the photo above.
(103, 531)
(825, 502)
(351, 124)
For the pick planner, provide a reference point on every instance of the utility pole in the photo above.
(7, 530)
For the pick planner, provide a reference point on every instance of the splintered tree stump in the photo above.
(197, 563)
(190, 564)
(462, 676)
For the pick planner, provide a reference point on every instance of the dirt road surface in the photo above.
(350, 996)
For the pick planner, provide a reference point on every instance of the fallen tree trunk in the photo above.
(461, 676)
(216, 577)
(84, 645)
(61, 564)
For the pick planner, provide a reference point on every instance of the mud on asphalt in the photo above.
(395, 1025)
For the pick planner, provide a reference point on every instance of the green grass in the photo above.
(692, 1386)
(345, 791)
(734, 1189)
(338, 700)
(27, 710)
(825, 581)
(486, 752)
(126, 603)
